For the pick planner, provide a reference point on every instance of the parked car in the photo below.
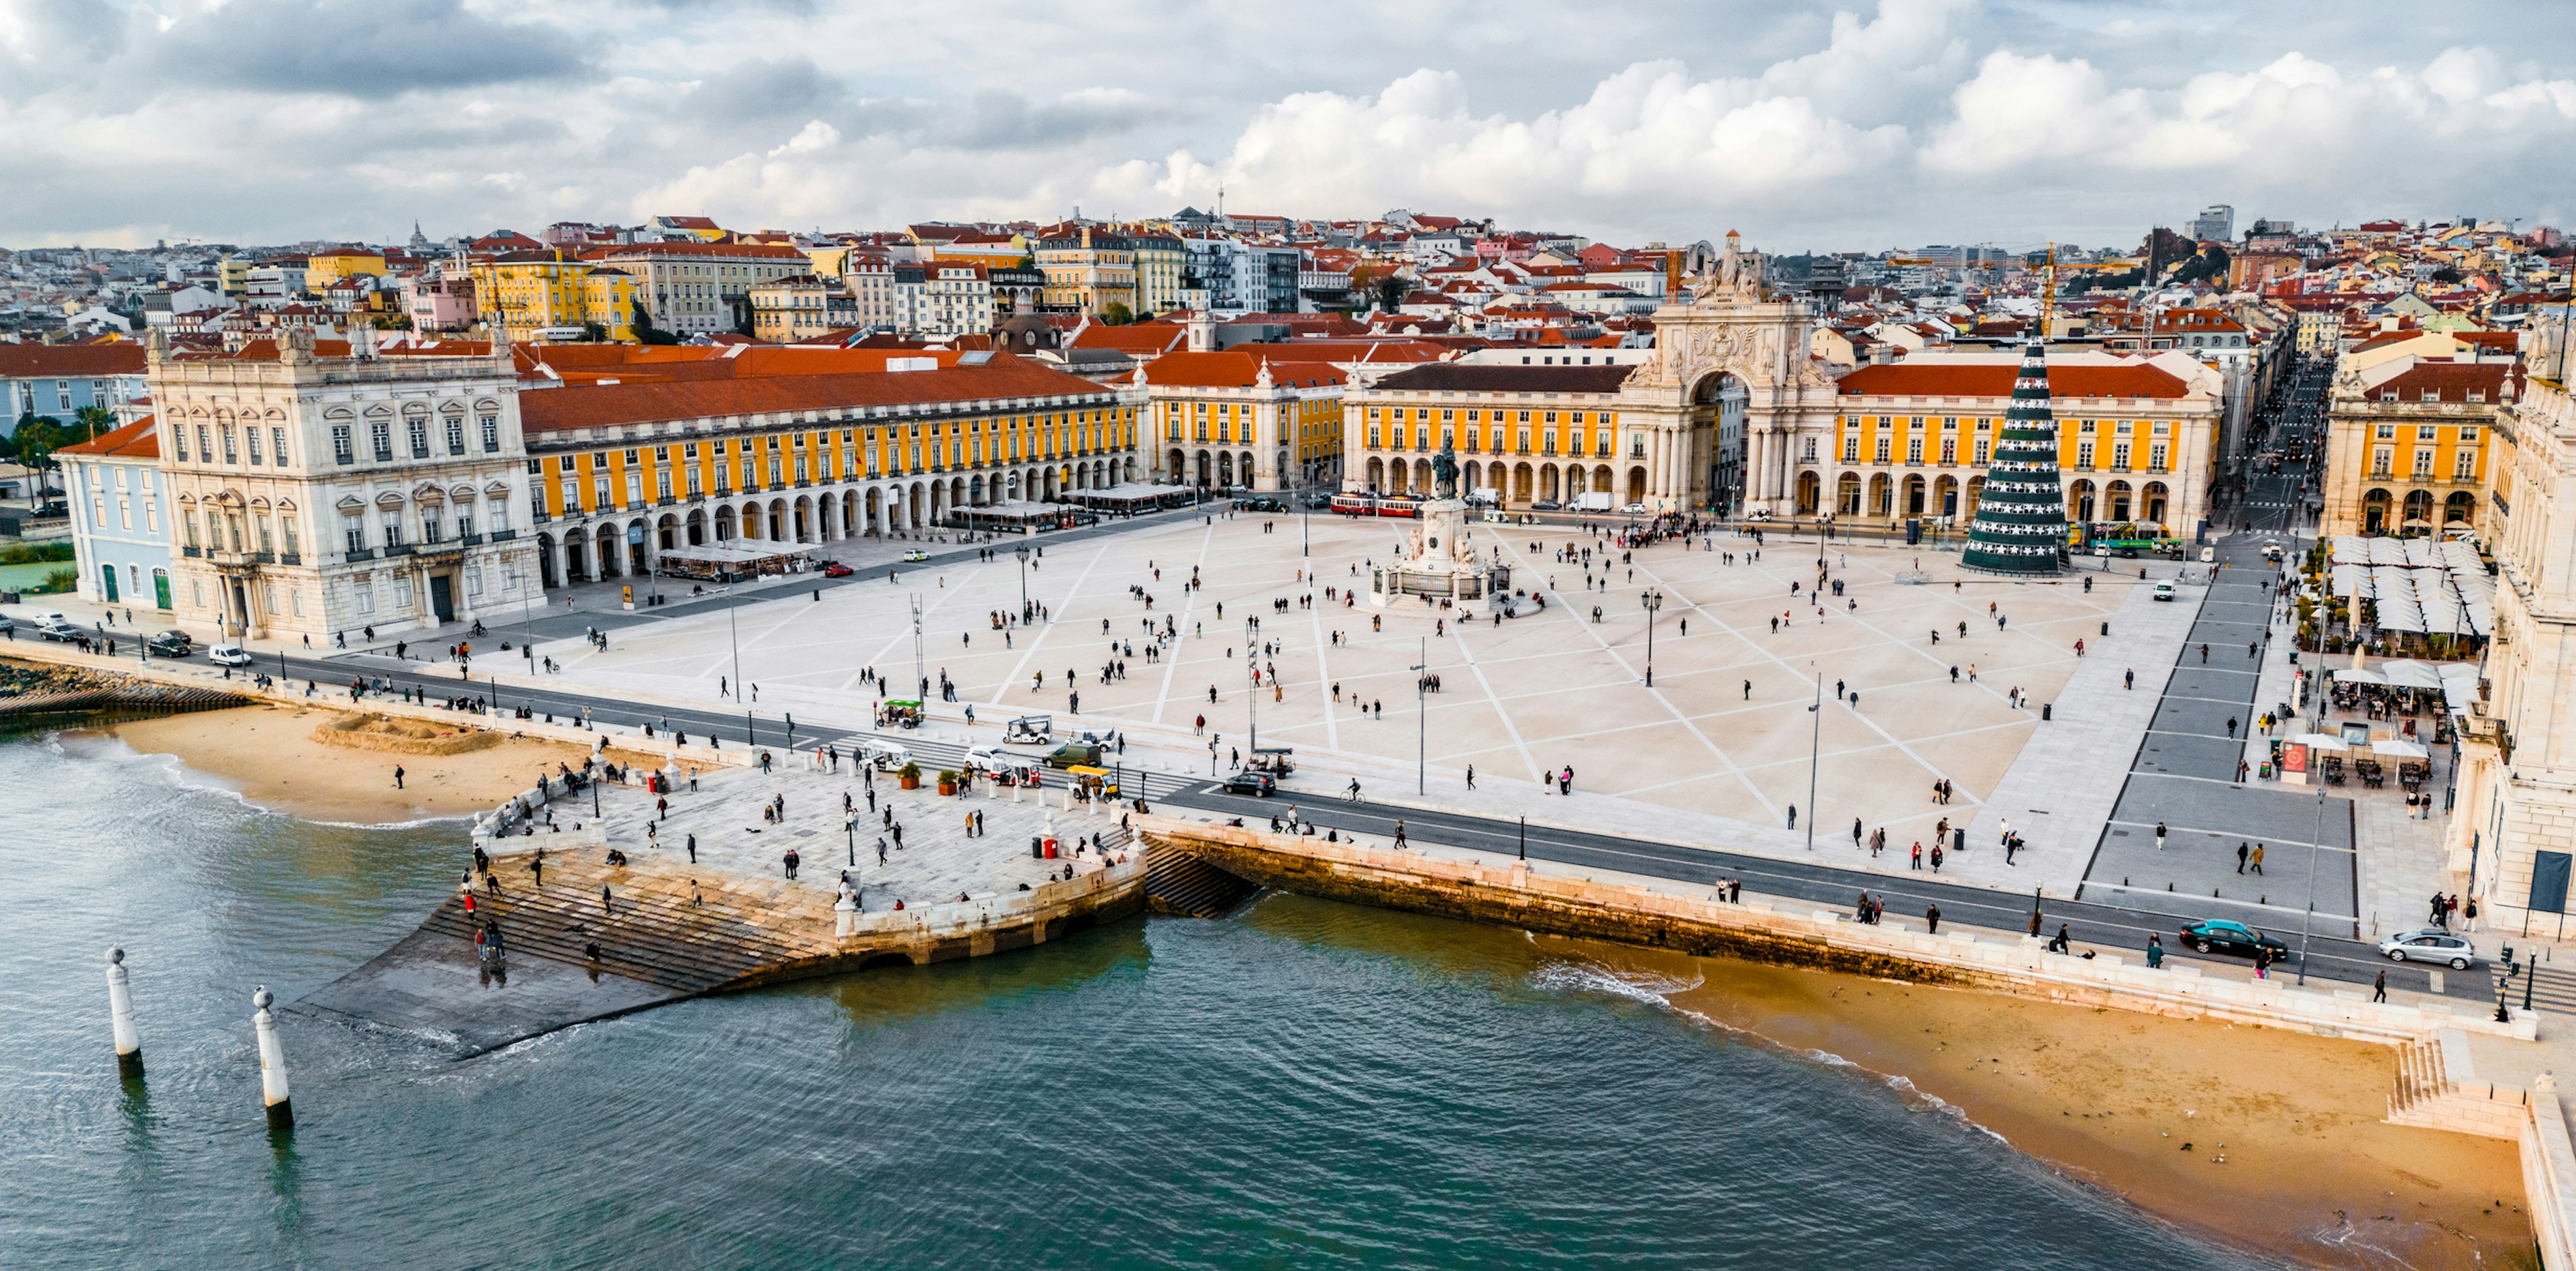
(2164, 591)
(916, 554)
(993, 759)
(2219, 935)
(1072, 753)
(228, 655)
(1634, 509)
(1546, 505)
(58, 630)
(169, 644)
(1260, 503)
(835, 569)
(6, 625)
(2430, 944)
(1258, 784)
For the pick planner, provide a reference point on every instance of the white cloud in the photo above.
(1899, 121)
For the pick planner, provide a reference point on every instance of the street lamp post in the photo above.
(1653, 600)
(1421, 719)
(1023, 552)
(2306, 920)
(1252, 700)
(1815, 747)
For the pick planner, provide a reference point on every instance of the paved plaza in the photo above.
(936, 861)
(1725, 732)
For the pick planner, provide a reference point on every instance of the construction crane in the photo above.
(2048, 296)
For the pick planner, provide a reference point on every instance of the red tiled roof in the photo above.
(70, 361)
(1146, 338)
(136, 440)
(1240, 367)
(608, 405)
(2452, 381)
(1995, 379)
(692, 247)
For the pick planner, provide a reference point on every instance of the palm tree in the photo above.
(95, 418)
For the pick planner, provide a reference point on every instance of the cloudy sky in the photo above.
(1894, 123)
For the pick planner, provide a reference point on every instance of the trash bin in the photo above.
(2106, 628)
(2044, 710)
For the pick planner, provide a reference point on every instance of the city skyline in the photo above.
(1937, 120)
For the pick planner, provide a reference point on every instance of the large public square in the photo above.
(1725, 730)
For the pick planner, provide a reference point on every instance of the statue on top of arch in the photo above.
(1735, 277)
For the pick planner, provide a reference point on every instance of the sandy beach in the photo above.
(2265, 1138)
(268, 753)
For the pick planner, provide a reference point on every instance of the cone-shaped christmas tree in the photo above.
(2021, 513)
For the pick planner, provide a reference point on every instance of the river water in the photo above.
(1304, 1085)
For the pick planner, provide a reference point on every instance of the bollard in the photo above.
(845, 917)
(272, 1064)
(120, 1017)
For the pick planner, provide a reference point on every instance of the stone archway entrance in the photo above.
(1729, 334)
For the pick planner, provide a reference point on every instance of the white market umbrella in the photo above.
(2399, 749)
(2318, 741)
(2359, 677)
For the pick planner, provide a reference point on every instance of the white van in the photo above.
(1594, 501)
(228, 654)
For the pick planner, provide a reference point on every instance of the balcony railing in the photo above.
(192, 553)
(359, 553)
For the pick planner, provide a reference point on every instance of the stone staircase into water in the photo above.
(1177, 882)
(651, 930)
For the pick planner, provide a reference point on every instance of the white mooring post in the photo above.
(120, 1015)
(272, 1064)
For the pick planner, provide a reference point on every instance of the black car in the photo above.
(1261, 503)
(1261, 784)
(169, 644)
(2218, 935)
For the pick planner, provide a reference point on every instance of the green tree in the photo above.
(647, 333)
(94, 420)
(1116, 313)
(1391, 291)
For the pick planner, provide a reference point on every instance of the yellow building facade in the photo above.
(530, 294)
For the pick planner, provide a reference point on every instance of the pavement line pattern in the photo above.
(1180, 629)
(2184, 775)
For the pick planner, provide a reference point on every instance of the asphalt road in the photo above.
(2105, 926)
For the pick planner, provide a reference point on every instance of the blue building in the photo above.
(59, 379)
(120, 517)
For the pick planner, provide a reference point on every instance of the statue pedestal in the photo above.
(1439, 564)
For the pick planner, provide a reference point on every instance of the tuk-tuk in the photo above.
(1278, 761)
(1029, 730)
(902, 713)
(1092, 783)
(886, 756)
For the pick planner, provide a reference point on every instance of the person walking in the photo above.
(604, 904)
(1936, 858)
(2155, 951)
(398, 777)
(1471, 776)
(693, 849)
(1399, 833)
(1932, 919)
(2241, 850)
(1918, 855)
(2160, 836)
(2256, 860)
(2379, 988)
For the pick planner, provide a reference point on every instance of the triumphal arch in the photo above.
(1727, 329)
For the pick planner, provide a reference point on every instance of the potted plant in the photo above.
(947, 782)
(909, 775)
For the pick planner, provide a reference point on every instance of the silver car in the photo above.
(2432, 944)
